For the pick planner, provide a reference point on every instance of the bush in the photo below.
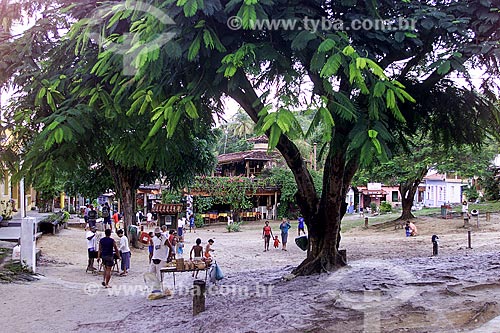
(385, 207)
(471, 193)
(373, 207)
(198, 221)
(234, 227)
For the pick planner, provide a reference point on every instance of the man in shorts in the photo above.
(92, 241)
(107, 248)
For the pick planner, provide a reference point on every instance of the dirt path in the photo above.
(391, 285)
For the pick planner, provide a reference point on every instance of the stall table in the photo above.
(174, 270)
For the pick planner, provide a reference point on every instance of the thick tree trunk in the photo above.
(322, 217)
(126, 181)
(408, 190)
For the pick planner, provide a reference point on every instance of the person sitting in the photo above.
(413, 228)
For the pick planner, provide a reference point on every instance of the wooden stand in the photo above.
(198, 296)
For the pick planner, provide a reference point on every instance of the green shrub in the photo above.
(385, 207)
(66, 216)
(198, 221)
(234, 227)
(373, 207)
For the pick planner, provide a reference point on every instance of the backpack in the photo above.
(92, 215)
(105, 211)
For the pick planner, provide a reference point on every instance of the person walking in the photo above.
(92, 243)
(106, 247)
(192, 225)
(92, 217)
(161, 247)
(124, 252)
(266, 234)
(116, 220)
(300, 227)
(106, 215)
(284, 227)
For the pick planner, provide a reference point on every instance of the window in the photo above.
(395, 197)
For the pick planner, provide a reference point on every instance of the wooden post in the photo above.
(198, 296)
(366, 222)
(488, 216)
(469, 238)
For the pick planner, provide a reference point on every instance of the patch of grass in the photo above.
(483, 207)
(4, 252)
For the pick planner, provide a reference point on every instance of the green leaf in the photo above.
(372, 134)
(390, 99)
(348, 50)
(39, 97)
(59, 135)
(207, 38)
(379, 89)
(360, 63)
(194, 48)
(274, 136)
(301, 40)
(191, 110)
(444, 68)
(158, 124)
(326, 45)
(376, 144)
(248, 16)
(332, 66)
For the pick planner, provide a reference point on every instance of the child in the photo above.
(197, 249)
(276, 242)
(208, 249)
(180, 247)
(151, 246)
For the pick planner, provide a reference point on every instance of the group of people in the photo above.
(284, 226)
(91, 215)
(106, 250)
(164, 247)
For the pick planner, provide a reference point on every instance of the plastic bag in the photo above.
(218, 273)
(302, 242)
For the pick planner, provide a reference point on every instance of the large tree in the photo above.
(356, 80)
(66, 118)
(408, 166)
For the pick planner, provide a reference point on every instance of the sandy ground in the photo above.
(392, 284)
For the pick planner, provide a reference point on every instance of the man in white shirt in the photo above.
(160, 248)
(149, 219)
(124, 252)
(92, 246)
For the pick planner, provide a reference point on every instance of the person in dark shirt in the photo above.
(106, 247)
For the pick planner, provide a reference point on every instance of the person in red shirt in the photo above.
(116, 220)
(266, 234)
(276, 242)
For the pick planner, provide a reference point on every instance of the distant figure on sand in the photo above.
(276, 242)
(92, 243)
(116, 220)
(191, 224)
(412, 227)
(300, 227)
(92, 217)
(124, 252)
(465, 209)
(106, 247)
(266, 234)
(284, 227)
